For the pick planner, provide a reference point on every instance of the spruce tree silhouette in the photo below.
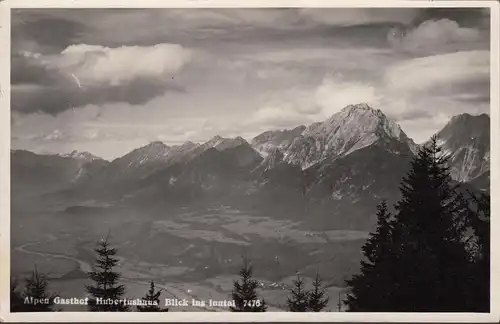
(106, 293)
(152, 301)
(16, 299)
(318, 298)
(479, 219)
(35, 296)
(245, 293)
(367, 286)
(298, 301)
(425, 266)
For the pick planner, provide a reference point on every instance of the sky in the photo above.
(108, 81)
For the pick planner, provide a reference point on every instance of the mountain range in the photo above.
(332, 173)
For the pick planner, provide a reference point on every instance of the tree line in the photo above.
(430, 254)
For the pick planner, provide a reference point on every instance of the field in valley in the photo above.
(190, 253)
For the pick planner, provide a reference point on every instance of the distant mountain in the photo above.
(44, 173)
(221, 143)
(208, 176)
(351, 129)
(466, 139)
(125, 175)
(82, 156)
(155, 156)
(217, 142)
(138, 162)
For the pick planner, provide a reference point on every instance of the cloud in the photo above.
(469, 17)
(434, 36)
(116, 66)
(53, 33)
(360, 16)
(299, 106)
(277, 117)
(422, 91)
(334, 94)
(237, 72)
(55, 29)
(428, 91)
(84, 74)
(422, 74)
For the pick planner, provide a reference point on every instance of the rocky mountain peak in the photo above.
(466, 140)
(154, 151)
(349, 130)
(221, 143)
(361, 118)
(81, 156)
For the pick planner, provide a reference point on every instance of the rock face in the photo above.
(271, 141)
(466, 139)
(353, 128)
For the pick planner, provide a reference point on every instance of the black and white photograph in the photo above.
(313, 159)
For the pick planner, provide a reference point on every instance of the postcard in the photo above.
(259, 161)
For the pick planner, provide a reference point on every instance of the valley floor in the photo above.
(189, 253)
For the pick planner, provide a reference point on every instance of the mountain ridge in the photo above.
(350, 159)
(280, 138)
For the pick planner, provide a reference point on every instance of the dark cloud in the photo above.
(54, 99)
(475, 92)
(475, 99)
(52, 33)
(55, 29)
(58, 28)
(27, 71)
(464, 90)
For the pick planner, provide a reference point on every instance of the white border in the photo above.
(5, 315)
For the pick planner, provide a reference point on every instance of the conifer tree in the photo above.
(35, 291)
(152, 301)
(107, 295)
(298, 301)
(479, 220)
(318, 298)
(16, 299)
(368, 285)
(245, 293)
(425, 265)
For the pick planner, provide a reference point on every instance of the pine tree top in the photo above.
(244, 294)
(298, 301)
(318, 298)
